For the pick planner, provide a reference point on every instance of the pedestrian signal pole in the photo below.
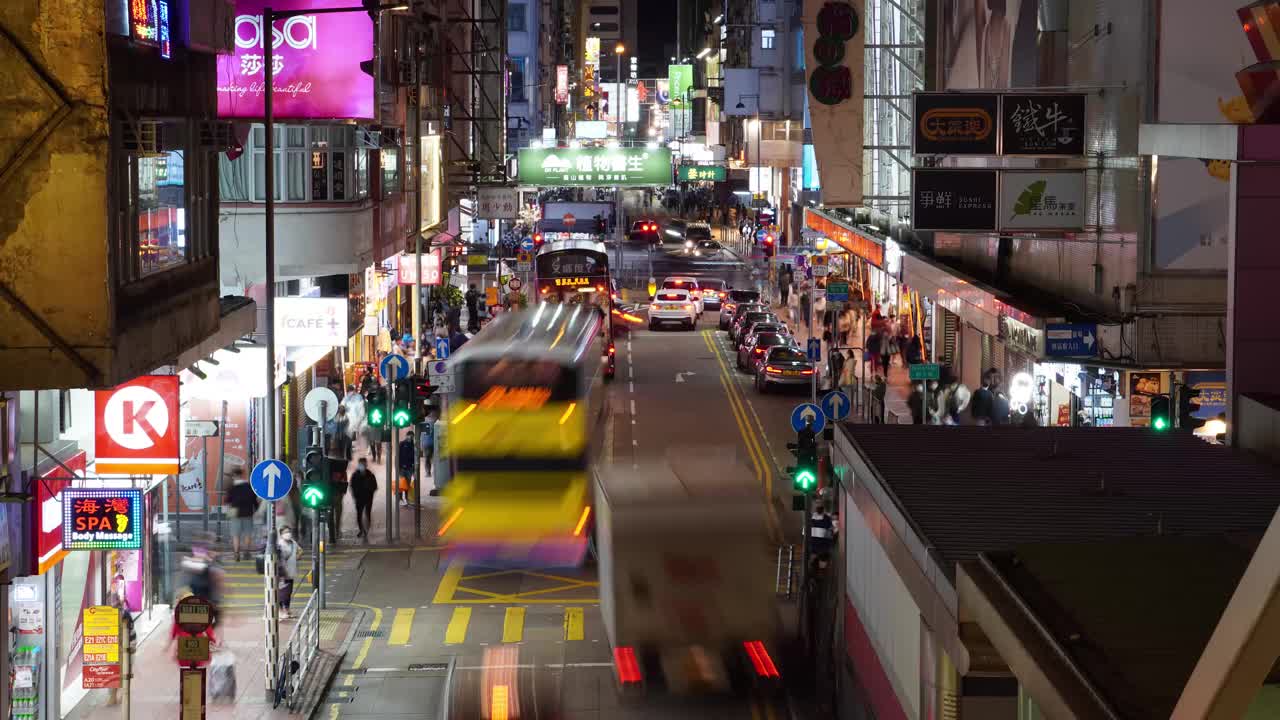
(393, 471)
(804, 480)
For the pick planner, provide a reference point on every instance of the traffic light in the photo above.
(315, 478)
(804, 474)
(537, 240)
(421, 399)
(375, 404)
(600, 226)
(401, 410)
(1187, 421)
(768, 245)
(1161, 419)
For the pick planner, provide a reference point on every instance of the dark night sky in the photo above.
(656, 28)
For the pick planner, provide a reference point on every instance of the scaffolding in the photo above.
(474, 110)
(895, 68)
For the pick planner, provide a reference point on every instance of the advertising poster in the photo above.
(988, 45)
(834, 41)
(1212, 401)
(1141, 387)
(680, 81)
(562, 84)
(1197, 87)
(235, 429)
(101, 648)
(315, 60)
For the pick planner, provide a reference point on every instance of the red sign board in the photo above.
(47, 522)
(430, 269)
(138, 428)
(569, 219)
(97, 677)
(193, 615)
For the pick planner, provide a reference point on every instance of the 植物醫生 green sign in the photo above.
(701, 173)
(595, 166)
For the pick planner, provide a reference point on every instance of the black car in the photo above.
(732, 300)
(743, 309)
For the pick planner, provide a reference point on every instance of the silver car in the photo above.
(784, 365)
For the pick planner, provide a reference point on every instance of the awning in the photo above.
(239, 317)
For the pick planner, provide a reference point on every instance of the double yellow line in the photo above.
(738, 404)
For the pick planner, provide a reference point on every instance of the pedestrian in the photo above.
(472, 299)
(836, 364)
(244, 504)
(915, 403)
(373, 435)
(363, 487)
(427, 442)
(982, 405)
(289, 550)
(822, 532)
(406, 460)
(871, 352)
(805, 307)
(204, 578)
(844, 326)
(340, 440)
(456, 338)
(338, 495)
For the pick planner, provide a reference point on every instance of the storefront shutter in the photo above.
(950, 337)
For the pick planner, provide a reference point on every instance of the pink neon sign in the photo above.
(315, 59)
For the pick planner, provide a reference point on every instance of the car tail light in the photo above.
(759, 351)
(722, 294)
(760, 659)
(624, 663)
(730, 306)
(613, 350)
(655, 306)
(773, 370)
(546, 290)
(615, 296)
(806, 372)
(688, 307)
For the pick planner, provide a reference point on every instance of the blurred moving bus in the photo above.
(529, 398)
(578, 272)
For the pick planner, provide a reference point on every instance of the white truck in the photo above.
(686, 569)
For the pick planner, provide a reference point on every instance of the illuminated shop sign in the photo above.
(144, 21)
(101, 519)
(162, 30)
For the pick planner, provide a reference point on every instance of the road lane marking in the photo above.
(448, 584)
(401, 624)
(633, 406)
(573, 623)
(456, 632)
(513, 625)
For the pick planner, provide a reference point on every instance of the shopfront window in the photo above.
(320, 163)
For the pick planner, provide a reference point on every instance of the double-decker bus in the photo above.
(576, 272)
(529, 400)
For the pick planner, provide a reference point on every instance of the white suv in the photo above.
(689, 284)
(673, 306)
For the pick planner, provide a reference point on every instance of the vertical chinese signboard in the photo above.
(101, 653)
(562, 84)
(834, 50)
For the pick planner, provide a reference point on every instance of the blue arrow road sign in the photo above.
(394, 367)
(442, 348)
(271, 480)
(835, 405)
(526, 244)
(805, 412)
(1071, 339)
(814, 349)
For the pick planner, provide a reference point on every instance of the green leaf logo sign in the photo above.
(1029, 199)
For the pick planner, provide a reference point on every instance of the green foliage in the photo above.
(1029, 199)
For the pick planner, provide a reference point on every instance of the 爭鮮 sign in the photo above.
(959, 200)
(101, 519)
(101, 654)
(595, 166)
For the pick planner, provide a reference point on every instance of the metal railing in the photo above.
(783, 584)
(297, 654)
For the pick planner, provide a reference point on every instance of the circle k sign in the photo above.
(137, 429)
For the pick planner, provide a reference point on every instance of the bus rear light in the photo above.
(582, 521)
(760, 659)
(449, 523)
(624, 663)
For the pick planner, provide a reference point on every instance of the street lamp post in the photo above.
(271, 598)
(618, 101)
(759, 159)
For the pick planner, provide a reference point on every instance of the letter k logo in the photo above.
(137, 413)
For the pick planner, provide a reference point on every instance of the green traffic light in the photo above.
(312, 496)
(400, 417)
(375, 416)
(1159, 423)
(805, 480)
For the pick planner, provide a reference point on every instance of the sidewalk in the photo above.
(155, 671)
(899, 385)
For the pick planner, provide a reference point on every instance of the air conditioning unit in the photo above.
(211, 26)
(217, 135)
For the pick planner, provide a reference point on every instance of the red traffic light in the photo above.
(537, 239)
(768, 239)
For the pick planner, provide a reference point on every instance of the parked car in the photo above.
(752, 352)
(732, 300)
(784, 365)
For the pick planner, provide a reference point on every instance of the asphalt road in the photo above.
(675, 390)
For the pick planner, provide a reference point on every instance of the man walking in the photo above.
(473, 309)
(245, 502)
(363, 487)
(407, 460)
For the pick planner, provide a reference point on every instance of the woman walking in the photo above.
(289, 550)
